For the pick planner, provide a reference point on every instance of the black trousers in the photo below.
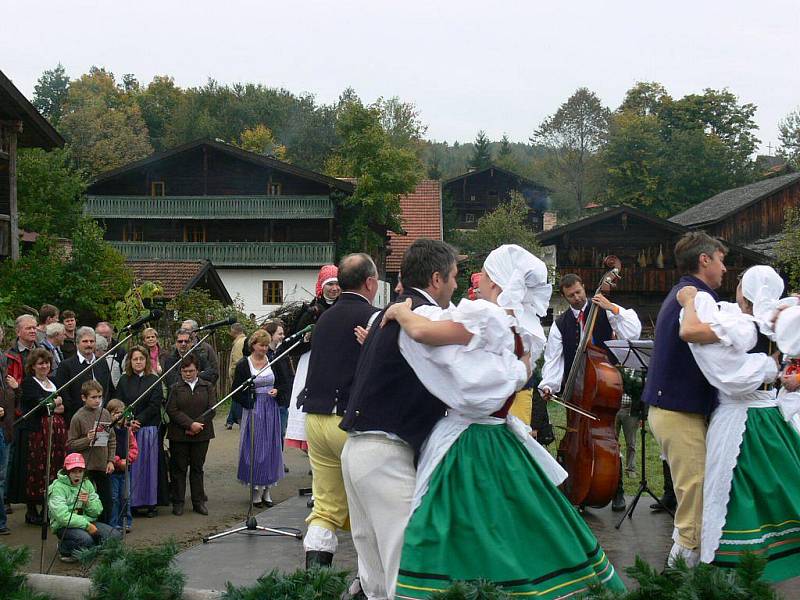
(189, 456)
(102, 484)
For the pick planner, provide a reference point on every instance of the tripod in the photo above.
(251, 523)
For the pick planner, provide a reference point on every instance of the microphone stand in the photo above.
(251, 523)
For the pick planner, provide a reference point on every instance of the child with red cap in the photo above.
(74, 507)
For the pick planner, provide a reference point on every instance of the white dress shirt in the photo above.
(625, 324)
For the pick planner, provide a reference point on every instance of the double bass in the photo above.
(589, 450)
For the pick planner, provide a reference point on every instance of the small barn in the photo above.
(477, 192)
(644, 243)
(752, 215)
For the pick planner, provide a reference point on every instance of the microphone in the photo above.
(215, 324)
(153, 315)
(297, 335)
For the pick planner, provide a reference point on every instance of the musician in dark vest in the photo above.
(679, 395)
(613, 322)
(332, 365)
(391, 414)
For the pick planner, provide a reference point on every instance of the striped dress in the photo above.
(266, 435)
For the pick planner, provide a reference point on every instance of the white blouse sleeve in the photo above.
(475, 379)
(553, 368)
(625, 323)
(726, 364)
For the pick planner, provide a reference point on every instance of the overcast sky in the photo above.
(499, 66)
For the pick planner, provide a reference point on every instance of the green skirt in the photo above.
(763, 515)
(491, 513)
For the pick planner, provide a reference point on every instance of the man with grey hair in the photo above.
(204, 352)
(183, 343)
(331, 367)
(86, 340)
(237, 352)
(54, 338)
(25, 326)
(116, 359)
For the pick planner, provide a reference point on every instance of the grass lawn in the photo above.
(655, 476)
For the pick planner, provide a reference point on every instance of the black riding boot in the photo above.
(668, 499)
(317, 558)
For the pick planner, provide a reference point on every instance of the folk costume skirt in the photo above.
(266, 438)
(763, 510)
(490, 512)
(144, 470)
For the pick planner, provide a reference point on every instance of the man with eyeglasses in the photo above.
(183, 342)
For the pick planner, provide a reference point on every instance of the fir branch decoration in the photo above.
(12, 582)
(125, 573)
(315, 584)
(472, 590)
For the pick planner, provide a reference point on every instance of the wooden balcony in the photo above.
(233, 254)
(209, 207)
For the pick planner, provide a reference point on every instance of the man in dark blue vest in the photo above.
(565, 334)
(332, 365)
(391, 413)
(679, 396)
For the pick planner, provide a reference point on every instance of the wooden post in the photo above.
(13, 131)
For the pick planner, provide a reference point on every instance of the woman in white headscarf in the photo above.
(486, 499)
(751, 494)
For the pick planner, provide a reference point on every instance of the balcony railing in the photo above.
(233, 254)
(209, 207)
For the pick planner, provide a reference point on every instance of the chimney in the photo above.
(549, 220)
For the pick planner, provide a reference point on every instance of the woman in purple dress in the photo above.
(261, 422)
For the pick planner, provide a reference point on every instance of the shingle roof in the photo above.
(728, 202)
(421, 218)
(36, 130)
(175, 276)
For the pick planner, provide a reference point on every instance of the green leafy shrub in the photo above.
(125, 573)
(12, 582)
(473, 590)
(315, 584)
(703, 582)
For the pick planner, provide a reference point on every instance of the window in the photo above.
(473, 198)
(132, 232)
(157, 188)
(194, 232)
(469, 218)
(274, 189)
(272, 292)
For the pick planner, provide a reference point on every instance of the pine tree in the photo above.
(505, 147)
(481, 155)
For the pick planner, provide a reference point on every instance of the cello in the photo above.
(589, 450)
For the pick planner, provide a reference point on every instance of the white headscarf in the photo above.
(762, 286)
(523, 279)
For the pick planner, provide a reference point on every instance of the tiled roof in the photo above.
(728, 202)
(175, 276)
(422, 218)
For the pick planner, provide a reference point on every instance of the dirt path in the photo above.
(227, 505)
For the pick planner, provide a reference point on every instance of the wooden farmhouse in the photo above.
(180, 276)
(752, 215)
(476, 193)
(21, 126)
(644, 243)
(266, 225)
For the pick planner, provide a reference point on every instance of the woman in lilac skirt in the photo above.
(260, 422)
(137, 379)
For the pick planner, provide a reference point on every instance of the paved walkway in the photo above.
(242, 558)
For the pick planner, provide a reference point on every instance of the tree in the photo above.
(261, 140)
(573, 136)
(89, 277)
(50, 93)
(645, 98)
(505, 147)
(384, 171)
(507, 224)
(50, 192)
(481, 155)
(789, 136)
(158, 103)
(103, 124)
(788, 248)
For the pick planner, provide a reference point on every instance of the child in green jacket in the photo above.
(73, 506)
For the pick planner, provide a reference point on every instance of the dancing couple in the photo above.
(435, 499)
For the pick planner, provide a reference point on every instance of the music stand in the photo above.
(635, 354)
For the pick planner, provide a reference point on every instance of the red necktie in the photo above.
(581, 318)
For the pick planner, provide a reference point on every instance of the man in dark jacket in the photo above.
(188, 436)
(68, 369)
(17, 355)
(183, 342)
(332, 365)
